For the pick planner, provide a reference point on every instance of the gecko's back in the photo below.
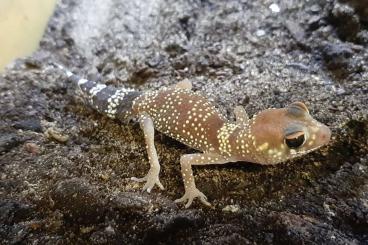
(183, 115)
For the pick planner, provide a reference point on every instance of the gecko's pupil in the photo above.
(294, 141)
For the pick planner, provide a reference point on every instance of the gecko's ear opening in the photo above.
(297, 109)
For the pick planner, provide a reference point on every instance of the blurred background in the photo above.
(22, 23)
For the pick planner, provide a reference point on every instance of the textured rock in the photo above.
(347, 21)
(8, 141)
(78, 199)
(300, 228)
(337, 57)
(32, 124)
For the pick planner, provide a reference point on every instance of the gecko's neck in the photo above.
(225, 135)
(237, 141)
(245, 143)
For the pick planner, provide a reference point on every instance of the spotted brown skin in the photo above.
(270, 137)
(183, 115)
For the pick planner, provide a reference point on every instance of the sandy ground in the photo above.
(65, 170)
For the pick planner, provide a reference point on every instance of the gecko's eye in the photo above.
(295, 140)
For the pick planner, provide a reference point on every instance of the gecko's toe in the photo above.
(182, 199)
(158, 183)
(148, 187)
(151, 180)
(138, 179)
(189, 203)
(190, 195)
(204, 201)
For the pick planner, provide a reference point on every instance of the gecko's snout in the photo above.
(325, 135)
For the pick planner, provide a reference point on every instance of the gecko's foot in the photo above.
(190, 195)
(151, 180)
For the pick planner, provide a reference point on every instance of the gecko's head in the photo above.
(282, 134)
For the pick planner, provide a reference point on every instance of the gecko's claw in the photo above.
(190, 195)
(151, 179)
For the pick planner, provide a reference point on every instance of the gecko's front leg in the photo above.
(241, 115)
(186, 162)
(152, 176)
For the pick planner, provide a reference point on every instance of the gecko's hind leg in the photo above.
(152, 176)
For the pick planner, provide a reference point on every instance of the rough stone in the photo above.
(32, 124)
(300, 228)
(78, 199)
(8, 141)
(346, 20)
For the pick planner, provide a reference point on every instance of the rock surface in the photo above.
(78, 190)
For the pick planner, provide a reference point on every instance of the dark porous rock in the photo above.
(127, 203)
(173, 227)
(13, 218)
(362, 37)
(78, 199)
(297, 229)
(32, 124)
(352, 211)
(314, 22)
(15, 234)
(297, 33)
(10, 140)
(106, 236)
(346, 20)
(13, 212)
(360, 6)
(337, 57)
(223, 234)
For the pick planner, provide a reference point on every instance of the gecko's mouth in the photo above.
(300, 153)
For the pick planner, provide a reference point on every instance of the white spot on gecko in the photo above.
(81, 81)
(96, 89)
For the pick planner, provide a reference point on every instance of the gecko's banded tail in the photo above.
(108, 100)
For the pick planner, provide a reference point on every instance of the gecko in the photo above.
(271, 136)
